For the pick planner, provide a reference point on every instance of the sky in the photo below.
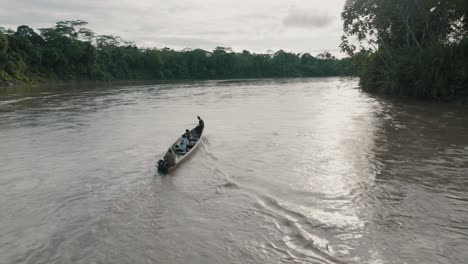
(298, 26)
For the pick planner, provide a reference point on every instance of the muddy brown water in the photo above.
(290, 171)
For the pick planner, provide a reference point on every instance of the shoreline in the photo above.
(6, 89)
(71, 83)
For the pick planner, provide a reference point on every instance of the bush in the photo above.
(436, 72)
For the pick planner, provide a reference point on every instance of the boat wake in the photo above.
(296, 231)
(296, 237)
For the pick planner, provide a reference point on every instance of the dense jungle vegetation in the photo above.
(70, 51)
(415, 48)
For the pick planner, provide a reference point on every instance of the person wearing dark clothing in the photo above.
(201, 125)
(188, 134)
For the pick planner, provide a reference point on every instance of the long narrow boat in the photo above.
(182, 156)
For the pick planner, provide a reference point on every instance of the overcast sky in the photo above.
(256, 25)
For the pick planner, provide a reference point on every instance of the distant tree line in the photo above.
(70, 51)
(415, 48)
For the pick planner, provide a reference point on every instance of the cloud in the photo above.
(307, 19)
(257, 25)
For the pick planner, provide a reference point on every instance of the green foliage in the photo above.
(414, 48)
(4, 77)
(69, 51)
(3, 43)
(434, 72)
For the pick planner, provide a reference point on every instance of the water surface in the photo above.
(290, 171)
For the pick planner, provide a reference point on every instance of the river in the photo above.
(289, 171)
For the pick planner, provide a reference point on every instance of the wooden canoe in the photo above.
(182, 157)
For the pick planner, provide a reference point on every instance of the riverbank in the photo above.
(87, 84)
(405, 58)
(23, 88)
(29, 57)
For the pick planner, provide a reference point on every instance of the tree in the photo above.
(325, 56)
(414, 47)
(3, 43)
(3, 55)
(385, 24)
(70, 51)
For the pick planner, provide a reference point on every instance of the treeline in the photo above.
(415, 48)
(70, 51)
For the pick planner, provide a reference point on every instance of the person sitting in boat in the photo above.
(170, 158)
(188, 134)
(192, 140)
(183, 143)
(201, 125)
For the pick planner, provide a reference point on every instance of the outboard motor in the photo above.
(162, 166)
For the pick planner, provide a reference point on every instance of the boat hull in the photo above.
(182, 157)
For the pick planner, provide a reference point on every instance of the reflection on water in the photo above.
(292, 170)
